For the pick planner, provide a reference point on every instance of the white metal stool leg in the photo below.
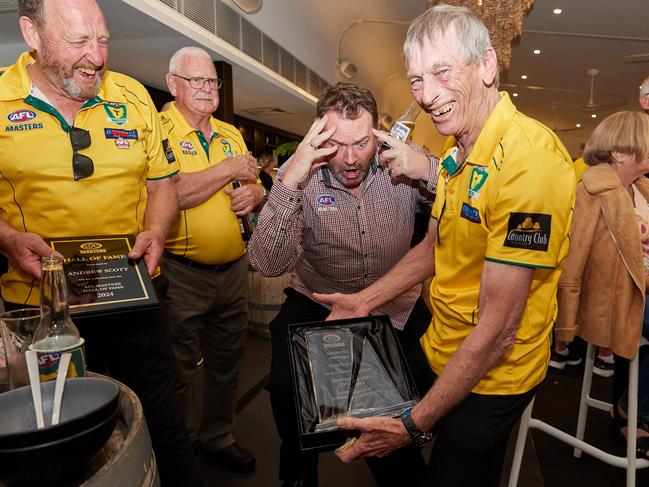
(632, 421)
(586, 383)
(628, 462)
(520, 445)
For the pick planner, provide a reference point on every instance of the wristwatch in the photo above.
(419, 438)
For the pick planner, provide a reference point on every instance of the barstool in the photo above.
(629, 462)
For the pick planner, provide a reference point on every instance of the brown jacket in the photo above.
(602, 287)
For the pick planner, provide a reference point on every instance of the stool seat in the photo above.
(628, 462)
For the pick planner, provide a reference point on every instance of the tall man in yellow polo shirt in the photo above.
(496, 244)
(205, 257)
(82, 154)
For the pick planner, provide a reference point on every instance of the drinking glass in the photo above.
(17, 328)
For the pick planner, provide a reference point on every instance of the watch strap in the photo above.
(418, 436)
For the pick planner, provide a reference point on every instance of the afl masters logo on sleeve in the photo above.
(529, 231)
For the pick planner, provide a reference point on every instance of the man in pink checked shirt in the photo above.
(340, 218)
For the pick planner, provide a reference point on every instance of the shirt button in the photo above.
(363, 232)
(359, 207)
(365, 255)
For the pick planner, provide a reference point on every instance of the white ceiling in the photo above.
(309, 30)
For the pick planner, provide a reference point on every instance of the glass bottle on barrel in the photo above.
(56, 332)
(245, 222)
(405, 124)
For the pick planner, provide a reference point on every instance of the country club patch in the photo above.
(530, 231)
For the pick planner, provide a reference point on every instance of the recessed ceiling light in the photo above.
(578, 125)
(514, 94)
(524, 76)
(537, 51)
(557, 11)
(594, 115)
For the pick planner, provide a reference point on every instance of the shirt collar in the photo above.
(15, 82)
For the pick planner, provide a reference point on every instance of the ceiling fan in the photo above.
(591, 105)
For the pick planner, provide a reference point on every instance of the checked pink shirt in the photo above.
(333, 241)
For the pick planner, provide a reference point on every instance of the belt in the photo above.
(198, 265)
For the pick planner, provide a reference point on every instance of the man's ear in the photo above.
(489, 67)
(30, 33)
(171, 84)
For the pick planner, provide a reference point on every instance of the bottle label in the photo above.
(48, 361)
(400, 131)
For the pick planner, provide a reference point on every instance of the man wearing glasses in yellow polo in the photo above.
(82, 154)
(205, 256)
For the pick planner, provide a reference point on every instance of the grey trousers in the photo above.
(208, 319)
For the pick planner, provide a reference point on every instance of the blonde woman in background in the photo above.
(603, 286)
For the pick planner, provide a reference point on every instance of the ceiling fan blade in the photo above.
(558, 131)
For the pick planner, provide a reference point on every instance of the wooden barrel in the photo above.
(265, 297)
(127, 458)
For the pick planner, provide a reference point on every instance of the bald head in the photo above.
(178, 59)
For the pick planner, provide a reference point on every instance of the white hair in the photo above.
(644, 87)
(177, 59)
(471, 35)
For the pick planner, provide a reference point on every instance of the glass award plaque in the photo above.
(346, 368)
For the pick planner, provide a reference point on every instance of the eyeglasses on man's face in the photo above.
(82, 166)
(198, 83)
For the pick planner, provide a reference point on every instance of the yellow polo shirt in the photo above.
(38, 192)
(510, 202)
(580, 167)
(208, 233)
